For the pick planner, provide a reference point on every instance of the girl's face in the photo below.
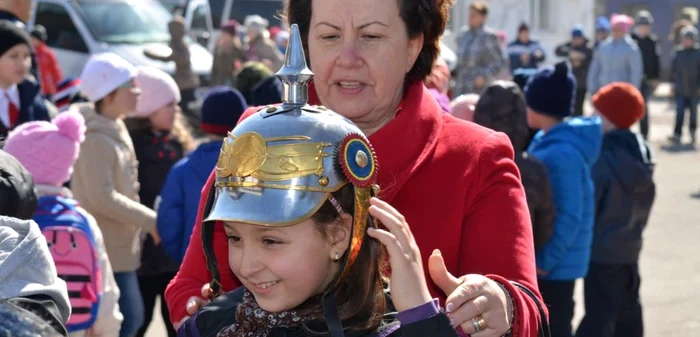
(284, 266)
(14, 65)
(164, 118)
(124, 99)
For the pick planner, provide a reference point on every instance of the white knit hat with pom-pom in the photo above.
(48, 150)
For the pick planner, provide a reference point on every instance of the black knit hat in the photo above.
(551, 91)
(12, 35)
(39, 32)
(17, 196)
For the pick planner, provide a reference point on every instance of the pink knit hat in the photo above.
(48, 150)
(622, 21)
(158, 89)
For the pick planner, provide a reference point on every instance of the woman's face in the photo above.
(164, 118)
(360, 53)
(283, 266)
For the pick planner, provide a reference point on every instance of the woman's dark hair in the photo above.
(180, 131)
(360, 297)
(502, 107)
(427, 17)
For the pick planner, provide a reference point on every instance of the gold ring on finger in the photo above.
(479, 323)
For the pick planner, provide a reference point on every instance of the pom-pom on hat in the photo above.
(48, 150)
(158, 89)
(621, 103)
(103, 74)
(551, 91)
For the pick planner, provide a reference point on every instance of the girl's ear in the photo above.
(339, 236)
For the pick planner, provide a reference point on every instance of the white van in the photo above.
(77, 29)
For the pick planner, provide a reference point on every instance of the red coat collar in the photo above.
(408, 140)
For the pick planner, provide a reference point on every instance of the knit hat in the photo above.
(221, 110)
(523, 27)
(621, 103)
(230, 27)
(268, 91)
(250, 75)
(602, 24)
(17, 195)
(578, 31)
(48, 150)
(551, 91)
(644, 18)
(621, 21)
(158, 89)
(39, 32)
(12, 35)
(690, 32)
(103, 74)
(67, 93)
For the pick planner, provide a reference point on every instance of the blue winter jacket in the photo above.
(569, 150)
(616, 60)
(179, 203)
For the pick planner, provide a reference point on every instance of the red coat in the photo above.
(49, 70)
(456, 184)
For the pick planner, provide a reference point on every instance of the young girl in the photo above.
(48, 151)
(106, 178)
(20, 96)
(294, 188)
(160, 139)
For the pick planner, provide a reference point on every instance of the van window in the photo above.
(60, 30)
(132, 22)
(199, 19)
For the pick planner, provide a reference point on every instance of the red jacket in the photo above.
(456, 184)
(49, 70)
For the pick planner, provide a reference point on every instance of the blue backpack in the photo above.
(74, 250)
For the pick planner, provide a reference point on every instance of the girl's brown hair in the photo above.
(427, 17)
(180, 131)
(360, 297)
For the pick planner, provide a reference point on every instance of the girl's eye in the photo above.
(270, 242)
(233, 239)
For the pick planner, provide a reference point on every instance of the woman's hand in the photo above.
(194, 303)
(471, 298)
(409, 288)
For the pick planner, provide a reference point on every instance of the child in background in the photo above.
(685, 74)
(568, 148)
(501, 107)
(49, 71)
(48, 151)
(178, 207)
(105, 180)
(160, 139)
(624, 195)
(20, 96)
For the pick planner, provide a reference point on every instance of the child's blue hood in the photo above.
(584, 134)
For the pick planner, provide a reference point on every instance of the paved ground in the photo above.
(670, 264)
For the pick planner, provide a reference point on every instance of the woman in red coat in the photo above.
(455, 182)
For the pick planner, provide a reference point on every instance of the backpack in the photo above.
(74, 250)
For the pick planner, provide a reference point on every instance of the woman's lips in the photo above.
(350, 87)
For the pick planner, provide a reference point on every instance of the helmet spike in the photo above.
(294, 73)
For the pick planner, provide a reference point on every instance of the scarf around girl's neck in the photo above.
(251, 320)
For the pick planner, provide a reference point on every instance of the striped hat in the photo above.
(67, 92)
